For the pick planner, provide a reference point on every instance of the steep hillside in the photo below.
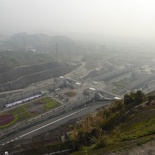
(123, 125)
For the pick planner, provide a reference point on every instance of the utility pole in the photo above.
(69, 55)
(24, 43)
(56, 51)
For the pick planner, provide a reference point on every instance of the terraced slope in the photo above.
(21, 77)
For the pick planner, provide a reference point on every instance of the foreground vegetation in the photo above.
(123, 124)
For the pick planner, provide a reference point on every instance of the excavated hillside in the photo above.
(21, 77)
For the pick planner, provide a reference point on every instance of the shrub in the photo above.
(100, 141)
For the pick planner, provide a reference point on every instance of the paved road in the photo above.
(55, 122)
(68, 75)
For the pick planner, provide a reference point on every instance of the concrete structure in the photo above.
(69, 83)
(95, 83)
(77, 85)
(117, 98)
(92, 92)
(60, 80)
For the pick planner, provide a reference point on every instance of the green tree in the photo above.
(151, 98)
(139, 97)
(128, 99)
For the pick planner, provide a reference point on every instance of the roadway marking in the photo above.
(48, 124)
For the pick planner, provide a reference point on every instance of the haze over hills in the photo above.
(27, 50)
(58, 45)
(61, 60)
(40, 42)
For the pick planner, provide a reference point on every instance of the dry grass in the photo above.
(135, 131)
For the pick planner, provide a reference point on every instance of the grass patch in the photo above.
(24, 112)
(140, 118)
(115, 147)
(114, 91)
(50, 104)
(46, 100)
(141, 124)
(21, 113)
(122, 83)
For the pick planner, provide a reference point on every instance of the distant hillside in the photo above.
(12, 59)
(57, 45)
(39, 42)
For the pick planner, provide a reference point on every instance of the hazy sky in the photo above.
(118, 18)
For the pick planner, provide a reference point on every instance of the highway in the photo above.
(54, 122)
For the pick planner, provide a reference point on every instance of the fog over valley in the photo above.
(102, 21)
(77, 77)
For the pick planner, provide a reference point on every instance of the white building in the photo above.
(60, 81)
(91, 92)
(117, 98)
(77, 85)
(95, 83)
(61, 78)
